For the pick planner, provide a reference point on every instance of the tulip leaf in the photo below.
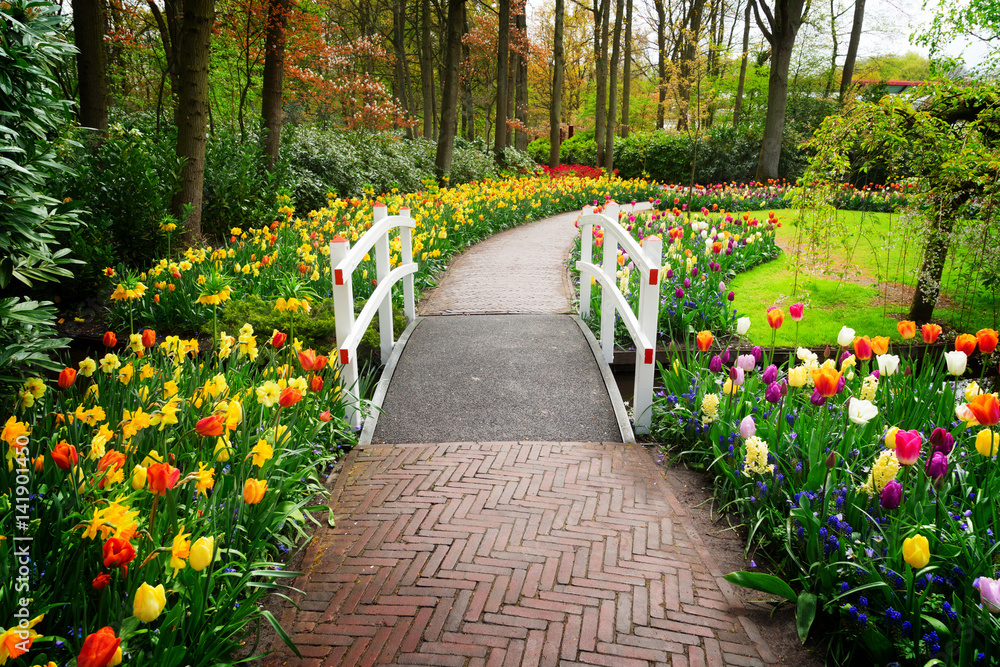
(766, 583)
(281, 631)
(943, 632)
(877, 645)
(805, 614)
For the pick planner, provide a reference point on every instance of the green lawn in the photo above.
(835, 257)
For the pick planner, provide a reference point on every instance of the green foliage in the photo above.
(539, 150)
(31, 109)
(27, 337)
(316, 330)
(579, 149)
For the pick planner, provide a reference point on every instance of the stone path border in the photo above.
(480, 554)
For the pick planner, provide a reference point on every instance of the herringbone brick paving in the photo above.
(506, 554)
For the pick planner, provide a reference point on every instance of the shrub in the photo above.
(539, 150)
(579, 149)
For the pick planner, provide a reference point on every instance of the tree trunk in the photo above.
(852, 48)
(738, 107)
(925, 295)
(555, 111)
(273, 82)
(521, 101)
(468, 103)
(426, 69)
(191, 112)
(449, 95)
(661, 68)
(627, 71)
(784, 26)
(601, 16)
(503, 61)
(689, 55)
(89, 28)
(399, 49)
(609, 137)
(832, 74)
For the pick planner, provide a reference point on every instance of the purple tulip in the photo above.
(732, 295)
(942, 440)
(840, 384)
(757, 353)
(937, 465)
(770, 374)
(715, 365)
(875, 374)
(694, 271)
(773, 393)
(746, 362)
(670, 274)
(817, 399)
(843, 356)
(726, 356)
(892, 495)
(687, 283)
(679, 293)
(784, 388)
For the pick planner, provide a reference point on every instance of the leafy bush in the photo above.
(517, 162)
(539, 150)
(579, 149)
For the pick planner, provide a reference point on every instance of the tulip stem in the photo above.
(152, 515)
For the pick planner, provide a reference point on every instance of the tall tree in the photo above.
(601, 17)
(191, 112)
(273, 81)
(503, 74)
(426, 68)
(627, 71)
(521, 78)
(555, 110)
(661, 65)
(690, 37)
(402, 67)
(852, 48)
(609, 137)
(782, 26)
(738, 105)
(449, 95)
(89, 29)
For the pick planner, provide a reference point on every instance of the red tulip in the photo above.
(148, 338)
(67, 377)
(110, 340)
(320, 362)
(316, 383)
(930, 332)
(100, 581)
(278, 339)
(986, 409)
(118, 552)
(211, 426)
(289, 396)
(98, 649)
(162, 476)
(966, 343)
(863, 348)
(64, 455)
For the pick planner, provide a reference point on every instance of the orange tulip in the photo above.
(315, 383)
(863, 348)
(289, 396)
(307, 359)
(704, 340)
(162, 476)
(775, 317)
(320, 363)
(98, 649)
(110, 340)
(930, 332)
(110, 462)
(148, 338)
(64, 455)
(211, 426)
(325, 416)
(827, 381)
(987, 340)
(880, 344)
(118, 552)
(907, 329)
(986, 409)
(254, 490)
(966, 343)
(67, 377)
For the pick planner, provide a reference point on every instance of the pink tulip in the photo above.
(795, 311)
(908, 447)
(989, 593)
(747, 427)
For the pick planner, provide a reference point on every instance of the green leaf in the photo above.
(766, 583)
(805, 614)
(281, 631)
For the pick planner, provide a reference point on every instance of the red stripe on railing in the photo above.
(649, 355)
(654, 276)
(345, 357)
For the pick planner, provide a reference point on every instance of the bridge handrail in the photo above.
(343, 261)
(642, 324)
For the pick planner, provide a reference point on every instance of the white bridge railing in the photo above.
(641, 325)
(343, 260)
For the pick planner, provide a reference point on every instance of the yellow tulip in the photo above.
(797, 376)
(254, 490)
(202, 552)
(987, 442)
(149, 602)
(917, 551)
(890, 437)
(138, 477)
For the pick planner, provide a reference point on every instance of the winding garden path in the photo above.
(512, 552)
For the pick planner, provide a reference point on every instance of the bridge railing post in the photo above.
(649, 308)
(343, 307)
(406, 257)
(386, 338)
(587, 255)
(609, 266)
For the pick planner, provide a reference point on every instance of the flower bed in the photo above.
(779, 194)
(870, 484)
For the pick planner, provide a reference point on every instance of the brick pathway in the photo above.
(518, 271)
(512, 554)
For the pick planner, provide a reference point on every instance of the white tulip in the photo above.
(888, 364)
(743, 326)
(956, 361)
(805, 354)
(845, 337)
(861, 412)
